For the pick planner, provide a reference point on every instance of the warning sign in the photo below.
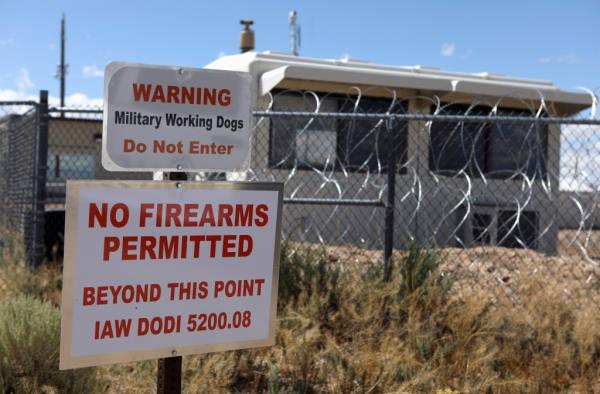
(157, 269)
(175, 118)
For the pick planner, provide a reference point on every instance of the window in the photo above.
(456, 146)
(500, 226)
(493, 149)
(480, 225)
(316, 147)
(517, 147)
(364, 144)
(71, 166)
(517, 231)
(302, 142)
(335, 143)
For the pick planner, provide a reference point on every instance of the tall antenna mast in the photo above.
(61, 70)
(294, 32)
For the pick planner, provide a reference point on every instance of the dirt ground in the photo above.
(573, 242)
(510, 275)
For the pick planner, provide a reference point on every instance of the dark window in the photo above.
(299, 141)
(517, 231)
(457, 146)
(352, 144)
(517, 147)
(494, 149)
(480, 224)
(364, 144)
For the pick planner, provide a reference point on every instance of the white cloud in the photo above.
(92, 71)
(23, 81)
(13, 95)
(78, 100)
(221, 54)
(566, 58)
(52, 46)
(544, 60)
(72, 100)
(448, 49)
(7, 42)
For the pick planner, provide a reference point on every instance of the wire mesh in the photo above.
(507, 190)
(74, 152)
(18, 134)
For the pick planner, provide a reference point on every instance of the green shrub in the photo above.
(419, 268)
(29, 350)
(305, 274)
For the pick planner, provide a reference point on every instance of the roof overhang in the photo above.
(270, 79)
(272, 70)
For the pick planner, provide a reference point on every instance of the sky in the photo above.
(550, 40)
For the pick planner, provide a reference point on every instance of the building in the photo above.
(460, 184)
(74, 152)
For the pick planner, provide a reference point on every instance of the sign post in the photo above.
(168, 370)
(168, 379)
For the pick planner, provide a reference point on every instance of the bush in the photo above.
(418, 267)
(17, 278)
(29, 350)
(304, 275)
(44, 283)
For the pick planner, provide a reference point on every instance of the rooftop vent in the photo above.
(246, 36)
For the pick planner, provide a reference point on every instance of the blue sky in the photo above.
(554, 40)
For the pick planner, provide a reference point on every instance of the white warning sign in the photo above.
(175, 118)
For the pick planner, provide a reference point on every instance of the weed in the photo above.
(342, 329)
(29, 343)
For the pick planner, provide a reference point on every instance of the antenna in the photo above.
(294, 32)
(62, 68)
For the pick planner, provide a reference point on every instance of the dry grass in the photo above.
(340, 329)
(502, 274)
(45, 283)
(16, 278)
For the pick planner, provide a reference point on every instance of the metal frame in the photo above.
(39, 187)
(377, 116)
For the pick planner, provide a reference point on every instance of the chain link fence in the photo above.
(508, 193)
(20, 218)
(510, 196)
(74, 152)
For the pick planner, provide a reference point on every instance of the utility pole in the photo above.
(61, 71)
(294, 32)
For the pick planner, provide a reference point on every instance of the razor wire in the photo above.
(507, 189)
(486, 182)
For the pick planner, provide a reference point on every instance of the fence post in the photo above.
(390, 203)
(41, 157)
